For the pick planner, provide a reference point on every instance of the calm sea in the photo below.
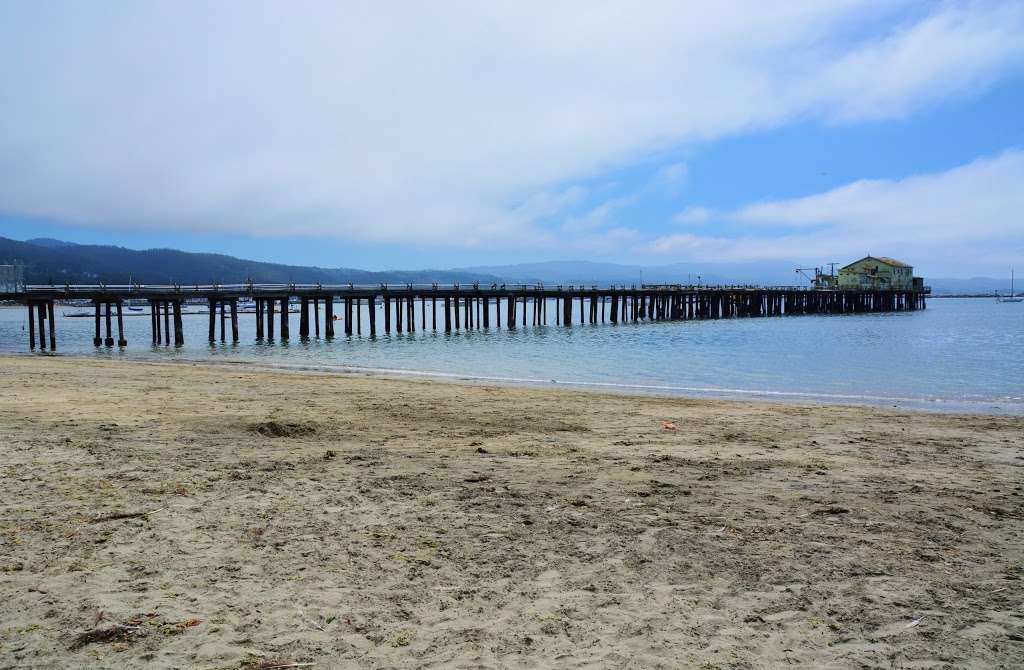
(958, 355)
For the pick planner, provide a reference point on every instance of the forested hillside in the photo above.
(51, 261)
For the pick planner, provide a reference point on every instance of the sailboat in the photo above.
(1011, 297)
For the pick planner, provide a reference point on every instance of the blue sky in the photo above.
(470, 135)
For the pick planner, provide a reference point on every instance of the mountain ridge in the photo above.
(92, 264)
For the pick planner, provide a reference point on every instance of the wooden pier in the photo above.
(444, 308)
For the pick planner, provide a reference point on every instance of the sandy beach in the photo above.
(222, 516)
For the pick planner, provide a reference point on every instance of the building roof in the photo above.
(892, 262)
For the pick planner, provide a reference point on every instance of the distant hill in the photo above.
(586, 272)
(972, 286)
(50, 243)
(562, 272)
(52, 261)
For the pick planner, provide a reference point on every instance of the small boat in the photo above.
(133, 308)
(1011, 297)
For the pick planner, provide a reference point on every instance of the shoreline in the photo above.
(220, 516)
(908, 404)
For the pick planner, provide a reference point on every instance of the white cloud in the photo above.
(693, 215)
(949, 53)
(687, 246)
(546, 203)
(454, 124)
(671, 177)
(982, 199)
(965, 219)
(597, 217)
(611, 241)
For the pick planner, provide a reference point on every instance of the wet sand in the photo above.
(222, 516)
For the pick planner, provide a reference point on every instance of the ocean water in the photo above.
(957, 355)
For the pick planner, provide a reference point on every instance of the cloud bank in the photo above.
(458, 124)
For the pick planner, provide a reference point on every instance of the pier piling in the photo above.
(329, 317)
(213, 320)
(97, 340)
(223, 321)
(109, 340)
(41, 315)
(372, 313)
(179, 330)
(121, 341)
(32, 328)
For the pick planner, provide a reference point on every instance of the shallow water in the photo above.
(959, 354)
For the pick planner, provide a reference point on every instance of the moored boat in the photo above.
(1012, 297)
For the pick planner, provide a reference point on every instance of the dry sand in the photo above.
(350, 521)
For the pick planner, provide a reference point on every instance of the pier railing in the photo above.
(128, 291)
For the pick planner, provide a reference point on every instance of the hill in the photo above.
(52, 261)
(586, 272)
(972, 286)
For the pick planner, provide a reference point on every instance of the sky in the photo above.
(410, 135)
